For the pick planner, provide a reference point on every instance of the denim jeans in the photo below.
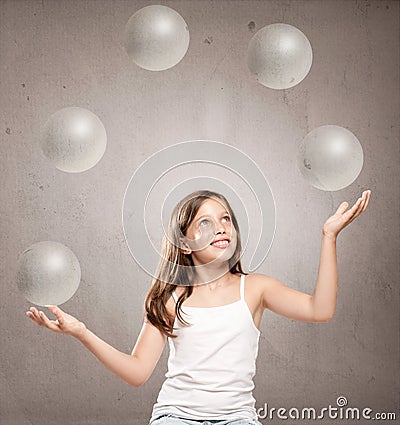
(176, 420)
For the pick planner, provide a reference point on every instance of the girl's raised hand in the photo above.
(65, 323)
(342, 218)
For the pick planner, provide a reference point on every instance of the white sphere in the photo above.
(74, 139)
(280, 56)
(49, 273)
(330, 157)
(156, 37)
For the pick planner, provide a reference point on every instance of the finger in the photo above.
(342, 208)
(36, 315)
(42, 318)
(32, 310)
(31, 316)
(58, 313)
(368, 197)
(349, 215)
(360, 205)
(49, 323)
(354, 211)
(364, 202)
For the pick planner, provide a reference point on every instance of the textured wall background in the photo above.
(69, 53)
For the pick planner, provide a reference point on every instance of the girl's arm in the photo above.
(134, 369)
(320, 306)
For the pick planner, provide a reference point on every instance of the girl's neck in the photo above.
(212, 277)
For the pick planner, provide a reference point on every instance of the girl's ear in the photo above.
(185, 247)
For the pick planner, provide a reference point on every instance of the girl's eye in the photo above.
(204, 223)
(226, 218)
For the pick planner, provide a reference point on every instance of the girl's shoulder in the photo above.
(254, 286)
(258, 279)
(259, 282)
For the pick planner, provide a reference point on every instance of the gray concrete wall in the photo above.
(55, 54)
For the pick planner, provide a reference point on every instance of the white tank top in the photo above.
(211, 364)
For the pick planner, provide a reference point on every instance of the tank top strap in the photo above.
(175, 296)
(242, 287)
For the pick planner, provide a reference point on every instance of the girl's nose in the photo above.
(220, 228)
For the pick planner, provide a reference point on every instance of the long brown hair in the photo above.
(177, 269)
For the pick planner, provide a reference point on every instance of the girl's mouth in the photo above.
(221, 244)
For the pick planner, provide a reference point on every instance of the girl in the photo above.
(209, 310)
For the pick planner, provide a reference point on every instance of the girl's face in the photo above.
(211, 235)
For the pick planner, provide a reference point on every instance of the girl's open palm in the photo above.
(342, 218)
(65, 323)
